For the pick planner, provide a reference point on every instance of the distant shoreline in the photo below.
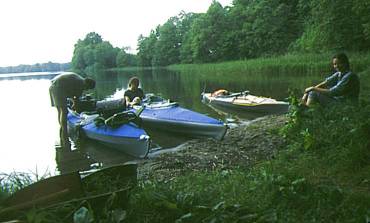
(38, 67)
(29, 75)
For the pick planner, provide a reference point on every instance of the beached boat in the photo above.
(243, 101)
(163, 115)
(128, 137)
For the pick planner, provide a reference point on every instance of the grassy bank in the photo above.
(321, 175)
(307, 64)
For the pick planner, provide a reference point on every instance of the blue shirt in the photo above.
(344, 86)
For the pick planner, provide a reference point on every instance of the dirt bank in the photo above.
(242, 147)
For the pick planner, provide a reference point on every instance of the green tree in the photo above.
(362, 9)
(168, 44)
(146, 50)
(265, 27)
(255, 28)
(124, 59)
(92, 38)
(105, 54)
(208, 34)
(335, 25)
(78, 62)
(92, 52)
(186, 34)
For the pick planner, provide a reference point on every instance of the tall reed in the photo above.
(302, 64)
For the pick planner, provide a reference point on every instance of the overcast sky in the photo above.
(38, 31)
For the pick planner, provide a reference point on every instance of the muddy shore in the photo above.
(242, 147)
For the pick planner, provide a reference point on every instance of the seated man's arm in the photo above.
(314, 88)
(342, 86)
(322, 87)
(322, 84)
(127, 100)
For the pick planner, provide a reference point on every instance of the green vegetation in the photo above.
(92, 53)
(243, 31)
(321, 175)
(297, 64)
(253, 29)
(12, 182)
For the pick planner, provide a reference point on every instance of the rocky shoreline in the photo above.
(242, 147)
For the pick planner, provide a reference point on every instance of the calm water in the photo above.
(29, 127)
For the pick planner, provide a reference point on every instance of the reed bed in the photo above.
(292, 64)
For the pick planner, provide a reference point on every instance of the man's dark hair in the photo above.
(342, 57)
(133, 80)
(89, 83)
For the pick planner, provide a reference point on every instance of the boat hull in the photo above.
(127, 138)
(173, 118)
(249, 103)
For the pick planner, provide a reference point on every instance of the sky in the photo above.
(39, 31)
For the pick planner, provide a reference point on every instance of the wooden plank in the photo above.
(68, 184)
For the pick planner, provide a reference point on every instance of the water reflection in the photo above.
(88, 155)
(72, 160)
(29, 127)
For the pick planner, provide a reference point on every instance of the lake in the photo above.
(29, 126)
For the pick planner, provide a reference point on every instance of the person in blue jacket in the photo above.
(63, 86)
(342, 86)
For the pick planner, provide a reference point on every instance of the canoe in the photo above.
(246, 102)
(163, 115)
(128, 138)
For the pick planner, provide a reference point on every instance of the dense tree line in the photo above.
(93, 53)
(255, 28)
(43, 67)
(247, 29)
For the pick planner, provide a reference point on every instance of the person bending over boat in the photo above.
(63, 86)
(342, 86)
(133, 95)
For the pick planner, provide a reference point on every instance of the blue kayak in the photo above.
(169, 116)
(128, 138)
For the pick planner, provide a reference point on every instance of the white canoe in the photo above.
(246, 102)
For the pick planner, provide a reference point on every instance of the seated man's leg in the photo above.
(317, 97)
(304, 98)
